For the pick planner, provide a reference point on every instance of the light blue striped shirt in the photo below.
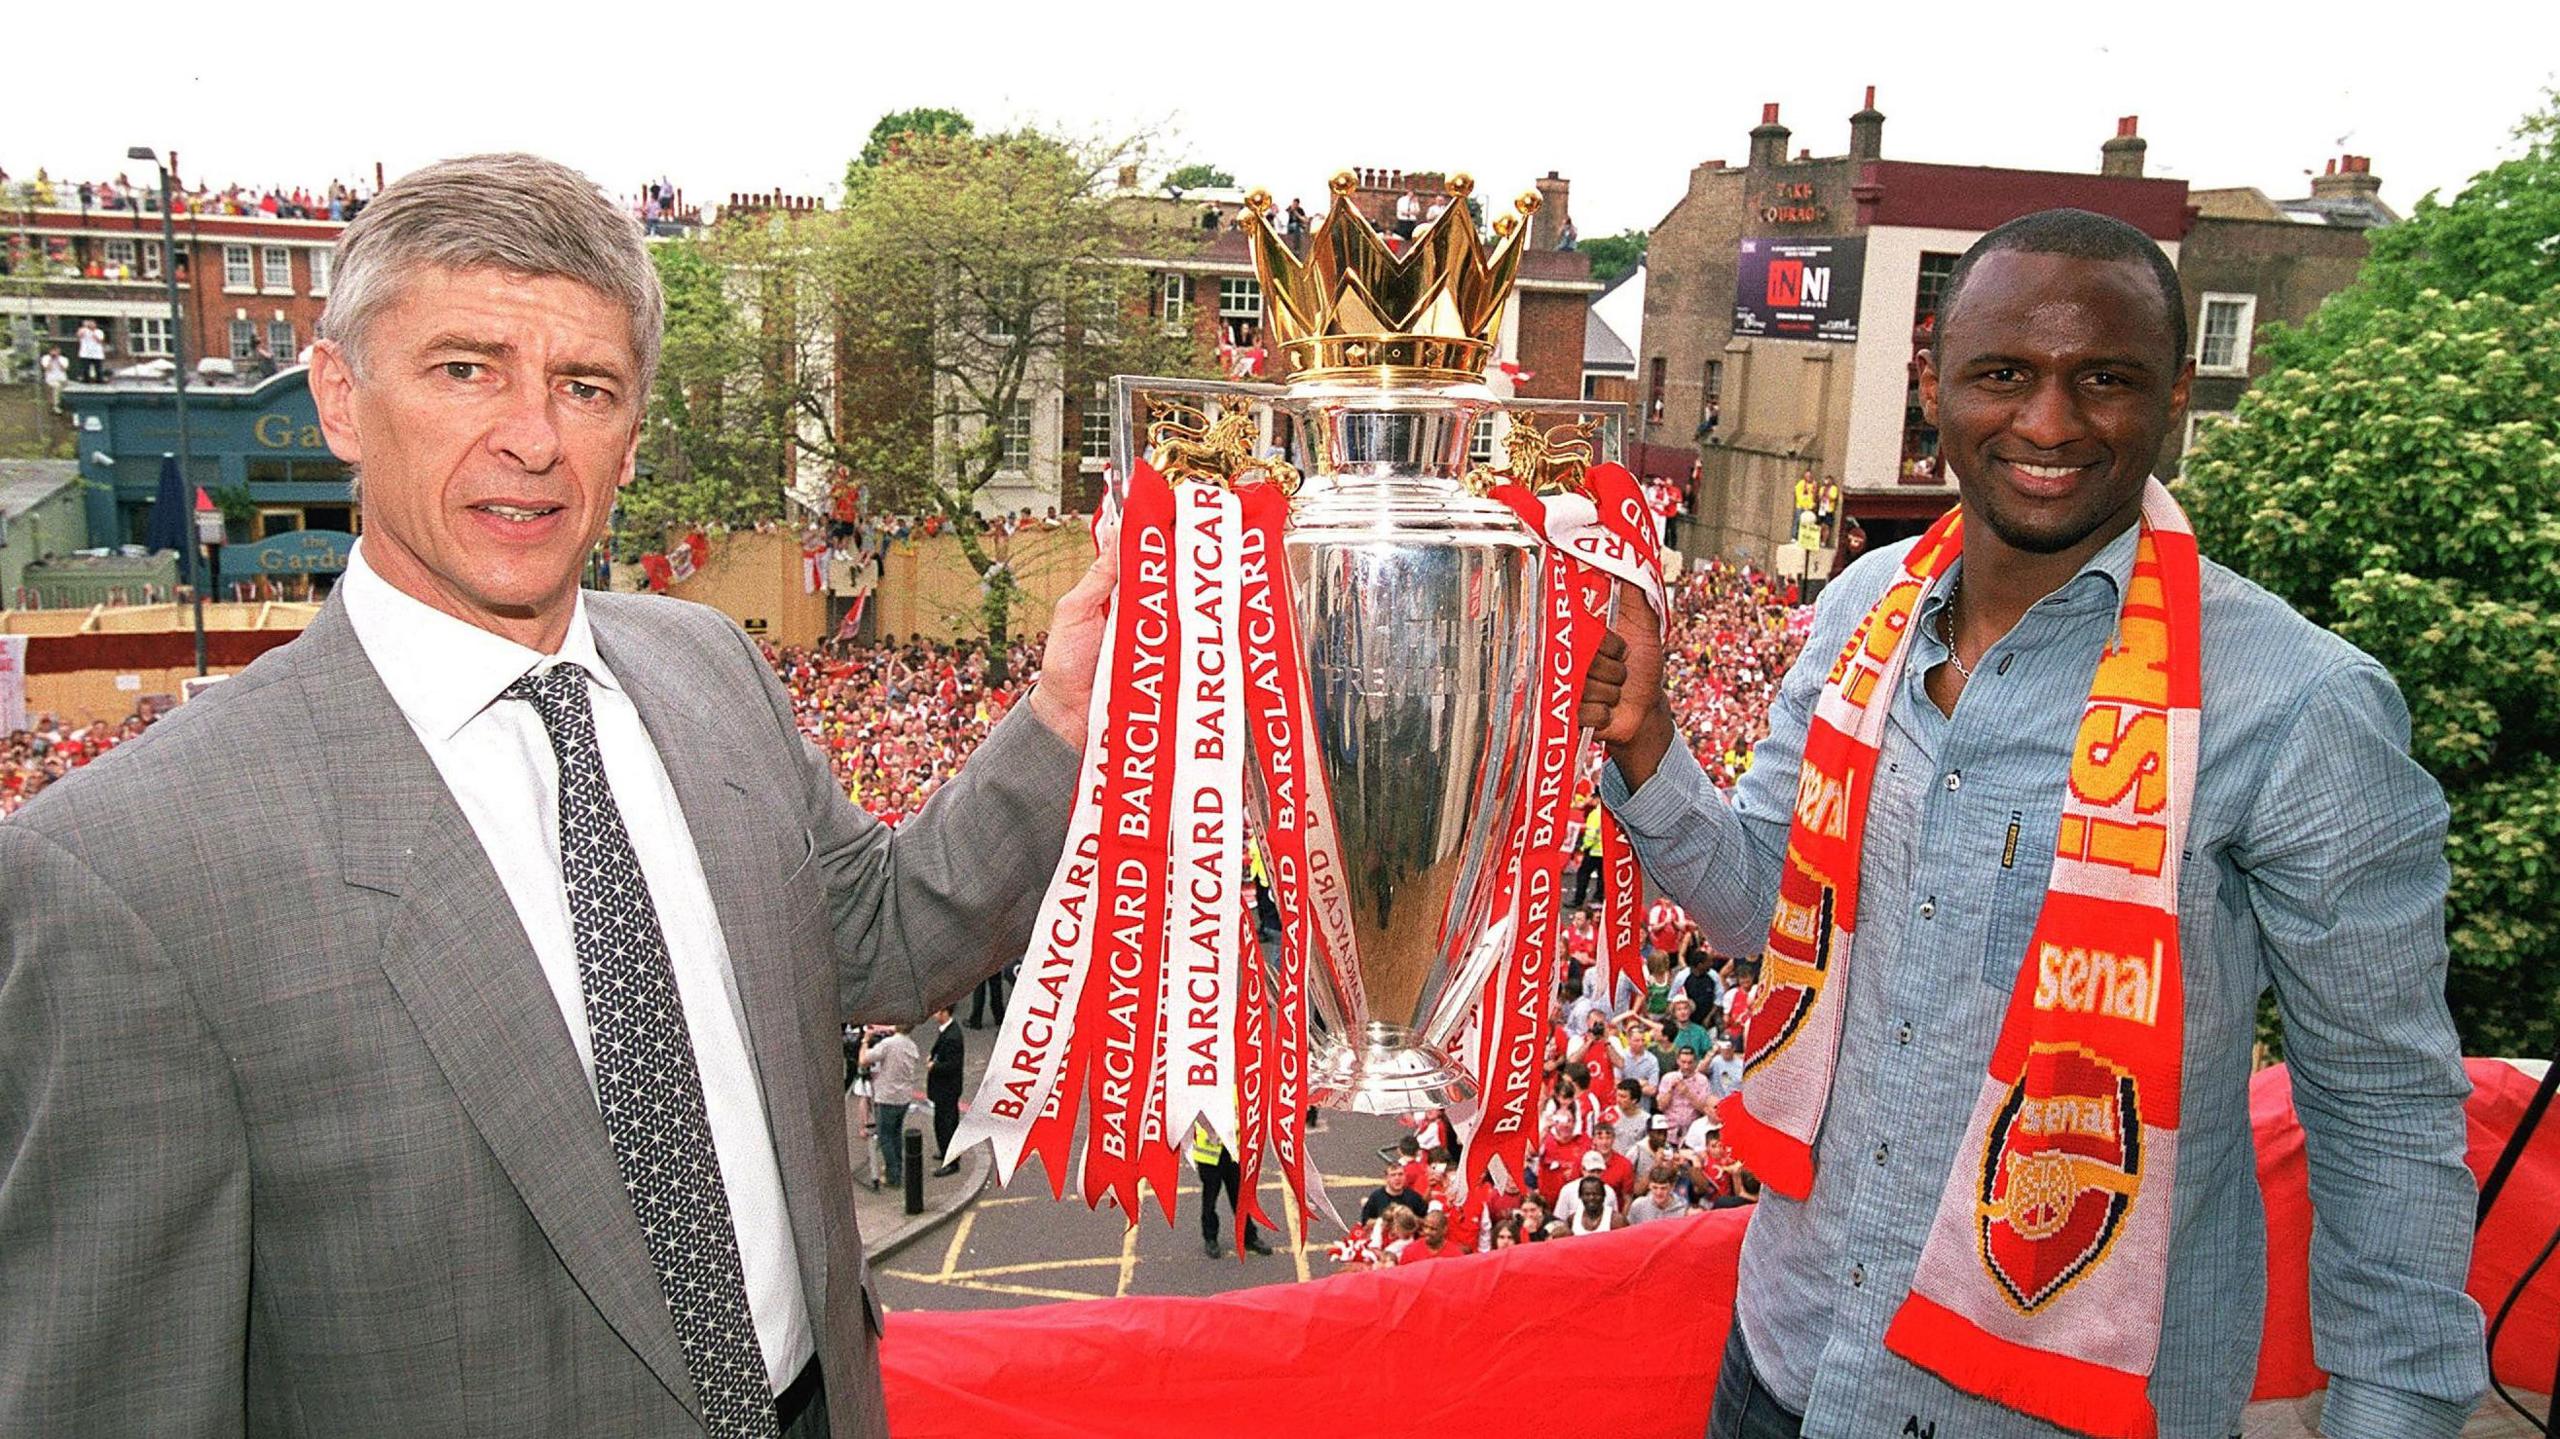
(2314, 862)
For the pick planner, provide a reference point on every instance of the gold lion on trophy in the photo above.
(1185, 444)
(1547, 462)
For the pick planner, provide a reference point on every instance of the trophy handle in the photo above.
(1139, 402)
(1609, 444)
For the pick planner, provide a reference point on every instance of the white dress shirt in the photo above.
(446, 676)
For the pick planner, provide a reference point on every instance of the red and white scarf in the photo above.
(2040, 1283)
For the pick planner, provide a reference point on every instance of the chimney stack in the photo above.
(2123, 154)
(1866, 130)
(1555, 206)
(1768, 140)
(2349, 177)
(1128, 177)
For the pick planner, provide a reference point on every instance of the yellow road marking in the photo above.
(990, 1287)
(1289, 1218)
(959, 1241)
(1128, 1259)
(1035, 1266)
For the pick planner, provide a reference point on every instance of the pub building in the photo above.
(1787, 301)
(258, 443)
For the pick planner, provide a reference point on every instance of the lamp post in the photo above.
(189, 560)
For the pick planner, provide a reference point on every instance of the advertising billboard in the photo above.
(1799, 289)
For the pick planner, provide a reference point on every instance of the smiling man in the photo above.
(434, 1030)
(2047, 804)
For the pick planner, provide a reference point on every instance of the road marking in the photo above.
(959, 1241)
(1033, 1266)
(990, 1287)
(1289, 1215)
(1128, 1258)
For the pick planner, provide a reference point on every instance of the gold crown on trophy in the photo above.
(1356, 309)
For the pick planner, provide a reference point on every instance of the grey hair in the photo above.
(514, 212)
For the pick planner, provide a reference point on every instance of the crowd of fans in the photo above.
(898, 720)
(49, 748)
(1734, 633)
(337, 200)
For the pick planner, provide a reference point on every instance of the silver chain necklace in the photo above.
(1947, 628)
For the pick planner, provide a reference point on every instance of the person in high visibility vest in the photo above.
(1218, 1170)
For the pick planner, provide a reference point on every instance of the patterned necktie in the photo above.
(646, 1081)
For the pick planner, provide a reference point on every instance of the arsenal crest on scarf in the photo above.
(1337, 640)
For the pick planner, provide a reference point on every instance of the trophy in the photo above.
(1416, 598)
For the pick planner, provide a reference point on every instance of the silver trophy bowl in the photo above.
(1416, 602)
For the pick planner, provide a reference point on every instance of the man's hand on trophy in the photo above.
(1622, 699)
(1065, 691)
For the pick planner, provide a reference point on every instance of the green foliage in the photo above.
(892, 132)
(1615, 255)
(717, 448)
(1199, 177)
(884, 343)
(2405, 492)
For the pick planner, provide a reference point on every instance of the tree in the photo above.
(964, 285)
(717, 450)
(1199, 177)
(1615, 255)
(2398, 481)
(894, 128)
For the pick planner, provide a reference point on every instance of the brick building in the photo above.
(1787, 301)
(2250, 261)
(241, 279)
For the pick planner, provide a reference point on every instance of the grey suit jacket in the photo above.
(295, 1141)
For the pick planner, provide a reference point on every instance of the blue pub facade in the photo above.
(264, 438)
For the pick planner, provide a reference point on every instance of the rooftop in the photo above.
(25, 484)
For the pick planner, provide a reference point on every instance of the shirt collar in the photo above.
(443, 672)
(2102, 578)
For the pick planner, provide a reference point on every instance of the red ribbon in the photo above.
(1621, 897)
(1572, 614)
(1118, 1023)
(1276, 706)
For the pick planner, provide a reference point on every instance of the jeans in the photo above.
(1742, 1408)
(893, 1141)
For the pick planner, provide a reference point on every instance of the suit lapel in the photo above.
(729, 830)
(458, 958)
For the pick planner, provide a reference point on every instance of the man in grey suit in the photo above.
(433, 1031)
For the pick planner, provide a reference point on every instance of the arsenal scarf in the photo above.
(2039, 1285)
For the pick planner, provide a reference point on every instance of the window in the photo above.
(1173, 297)
(277, 264)
(244, 339)
(235, 268)
(146, 335)
(1653, 391)
(320, 261)
(2222, 334)
(1097, 431)
(1934, 272)
(280, 341)
(1239, 297)
(1715, 382)
(122, 258)
(1480, 442)
(151, 259)
(1016, 451)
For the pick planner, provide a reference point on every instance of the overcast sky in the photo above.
(735, 95)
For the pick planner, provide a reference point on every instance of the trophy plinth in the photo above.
(1392, 1070)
